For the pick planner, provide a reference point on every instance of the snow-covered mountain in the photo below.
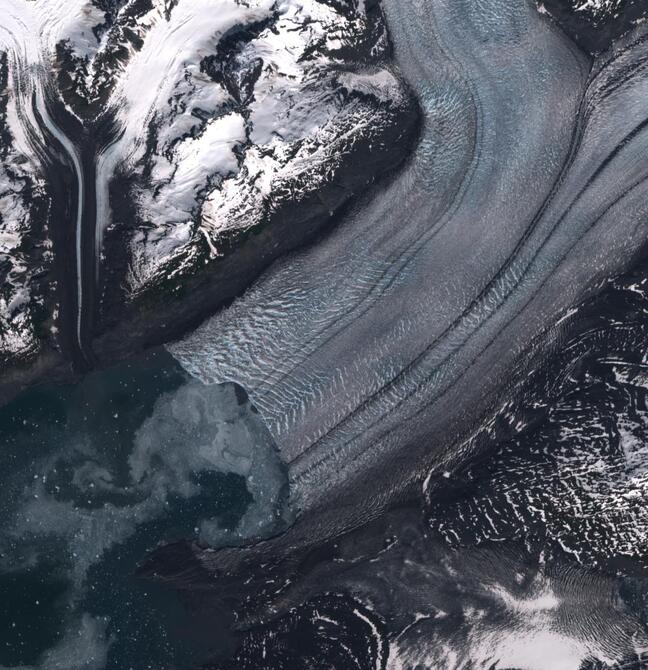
(156, 155)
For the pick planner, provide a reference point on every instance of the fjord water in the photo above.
(329, 344)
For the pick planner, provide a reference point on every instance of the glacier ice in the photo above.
(374, 354)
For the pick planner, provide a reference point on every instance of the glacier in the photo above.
(376, 356)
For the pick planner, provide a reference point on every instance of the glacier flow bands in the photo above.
(75, 158)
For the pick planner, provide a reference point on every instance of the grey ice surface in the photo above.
(370, 353)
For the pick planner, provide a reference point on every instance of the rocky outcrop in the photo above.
(595, 24)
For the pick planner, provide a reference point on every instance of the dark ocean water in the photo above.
(531, 553)
(74, 525)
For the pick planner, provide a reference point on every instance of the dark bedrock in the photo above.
(75, 330)
(551, 474)
(415, 600)
(66, 312)
(79, 104)
(194, 284)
